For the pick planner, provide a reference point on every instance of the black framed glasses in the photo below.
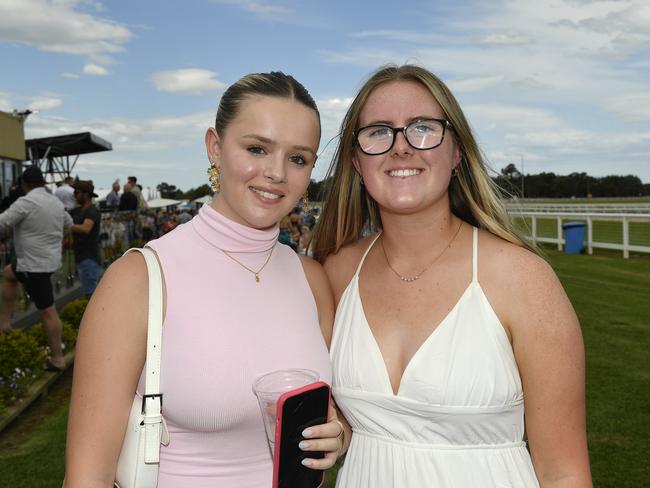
(420, 134)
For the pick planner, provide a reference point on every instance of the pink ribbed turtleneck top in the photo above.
(221, 331)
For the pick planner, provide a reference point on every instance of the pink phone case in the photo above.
(278, 424)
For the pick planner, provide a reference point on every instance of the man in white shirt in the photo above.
(65, 193)
(38, 220)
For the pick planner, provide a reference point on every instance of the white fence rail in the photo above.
(589, 218)
(617, 208)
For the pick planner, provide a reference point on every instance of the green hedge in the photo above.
(22, 359)
(73, 311)
(23, 353)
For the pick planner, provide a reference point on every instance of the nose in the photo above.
(400, 144)
(275, 170)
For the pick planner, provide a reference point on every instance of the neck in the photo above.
(413, 237)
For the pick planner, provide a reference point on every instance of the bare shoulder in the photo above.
(499, 258)
(521, 285)
(125, 276)
(125, 282)
(340, 267)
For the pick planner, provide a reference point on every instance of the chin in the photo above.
(258, 221)
(403, 204)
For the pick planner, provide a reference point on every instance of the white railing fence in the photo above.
(605, 221)
(618, 208)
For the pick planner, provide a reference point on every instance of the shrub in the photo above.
(73, 311)
(68, 335)
(21, 362)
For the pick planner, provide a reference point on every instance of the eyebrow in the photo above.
(409, 121)
(266, 140)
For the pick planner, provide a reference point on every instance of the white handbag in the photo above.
(137, 466)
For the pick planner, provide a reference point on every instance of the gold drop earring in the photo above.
(213, 175)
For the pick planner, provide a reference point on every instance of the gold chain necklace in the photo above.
(255, 273)
(409, 279)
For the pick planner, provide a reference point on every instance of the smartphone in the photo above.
(297, 410)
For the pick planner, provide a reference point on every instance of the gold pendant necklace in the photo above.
(410, 279)
(256, 274)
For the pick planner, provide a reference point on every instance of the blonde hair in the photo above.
(349, 209)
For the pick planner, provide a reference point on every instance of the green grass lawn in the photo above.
(610, 295)
(32, 449)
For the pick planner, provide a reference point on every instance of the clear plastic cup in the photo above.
(268, 389)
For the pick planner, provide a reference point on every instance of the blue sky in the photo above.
(563, 85)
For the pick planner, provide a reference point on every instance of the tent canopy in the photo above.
(162, 202)
(65, 145)
(203, 199)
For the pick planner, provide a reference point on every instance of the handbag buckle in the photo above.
(153, 395)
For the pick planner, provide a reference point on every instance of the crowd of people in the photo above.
(296, 228)
(36, 224)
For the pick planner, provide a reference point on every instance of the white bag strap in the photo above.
(152, 409)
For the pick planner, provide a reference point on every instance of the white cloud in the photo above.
(291, 12)
(332, 111)
(631, 107)
(94, 70)
(73, 76)
(512, 117)
(265, 8)
(155, 149)
(159, 133)
(45, 103)
(478, 83)
(400, 35)
(261, 9)
(504, 39)
(58, 26)
(187, 81)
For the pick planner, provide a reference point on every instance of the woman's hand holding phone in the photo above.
(327, 438)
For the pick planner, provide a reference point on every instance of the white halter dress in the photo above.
(457, 420)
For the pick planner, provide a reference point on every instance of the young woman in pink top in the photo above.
(228, 285)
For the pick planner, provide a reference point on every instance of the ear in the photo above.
(458, 155)
(213, 146)
(355, 162)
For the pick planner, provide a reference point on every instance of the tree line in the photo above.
(579, 185)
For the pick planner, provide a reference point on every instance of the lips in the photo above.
(268, 194)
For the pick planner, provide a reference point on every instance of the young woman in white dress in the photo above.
(458, 359)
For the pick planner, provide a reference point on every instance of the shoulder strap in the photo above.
(152, 409)
(474, 254)
(363, 258)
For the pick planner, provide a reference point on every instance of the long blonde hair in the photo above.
(349, 209)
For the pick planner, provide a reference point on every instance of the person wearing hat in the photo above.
(38, 221)
(85, 231)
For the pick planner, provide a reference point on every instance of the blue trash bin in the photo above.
(574, 237)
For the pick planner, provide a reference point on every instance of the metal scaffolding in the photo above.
(57, 156)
